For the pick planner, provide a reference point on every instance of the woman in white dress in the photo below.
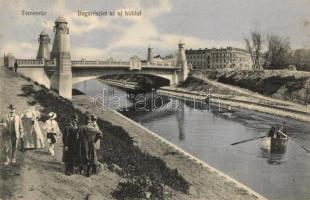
(33, 137)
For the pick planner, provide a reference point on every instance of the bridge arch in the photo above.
(80, 75)
(146, 80)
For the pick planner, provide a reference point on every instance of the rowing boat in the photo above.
(274, 144)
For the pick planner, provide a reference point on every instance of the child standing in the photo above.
(52, 132)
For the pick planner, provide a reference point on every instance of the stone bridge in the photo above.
(57, 71)
(81, 72)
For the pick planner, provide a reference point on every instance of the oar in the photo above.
(301, 146)
(304, 148)
(247, 140)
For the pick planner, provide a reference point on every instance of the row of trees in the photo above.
(278, 54)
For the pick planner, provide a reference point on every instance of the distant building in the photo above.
(301, 59)
(159, 60)
(219, 58)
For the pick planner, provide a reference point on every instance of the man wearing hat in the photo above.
(88, 136)
(52, 131)
(71, 145)
(95, 125)
(14, 131)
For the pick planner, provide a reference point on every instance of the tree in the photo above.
(254, 46)
(278, 52)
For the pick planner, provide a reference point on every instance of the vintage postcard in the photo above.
(154, 99)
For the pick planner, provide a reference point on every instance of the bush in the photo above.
(140, 188)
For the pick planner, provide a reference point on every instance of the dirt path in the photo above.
(43, 178)
(37, 175)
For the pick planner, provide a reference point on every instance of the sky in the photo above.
(164, 23)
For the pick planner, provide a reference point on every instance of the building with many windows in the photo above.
(218, 58)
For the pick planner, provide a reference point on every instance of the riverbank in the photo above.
(286, 85)
(269, 106)
(131, 154)
(199, 85)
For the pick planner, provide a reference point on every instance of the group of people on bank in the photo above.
(81, 146)
(80, 143)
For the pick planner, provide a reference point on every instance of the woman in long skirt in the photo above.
(33, 137)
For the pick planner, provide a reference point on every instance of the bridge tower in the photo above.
(182, 63)
(150, 55)
(61, 79)
(44, 40)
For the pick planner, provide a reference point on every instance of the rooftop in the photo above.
(215, 50)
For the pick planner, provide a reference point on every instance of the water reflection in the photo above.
(180, 120)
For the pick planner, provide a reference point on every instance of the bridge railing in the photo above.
(156, 64)
(30, 62)
(50, 63)
(100, 63)
(160, 65)
(35, 63)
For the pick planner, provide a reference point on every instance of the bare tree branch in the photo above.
(277, 55)
(254, 46)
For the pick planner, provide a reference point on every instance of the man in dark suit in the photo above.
(71, 145)
(88, 136)
(15, 66)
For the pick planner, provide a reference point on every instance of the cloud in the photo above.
(87, 53)
(80, 25)
(20, 49)
(132, 35)
(139, 33)
(162, 25)
(143, 32)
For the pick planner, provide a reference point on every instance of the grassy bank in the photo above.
(194, 84)
(280, 84)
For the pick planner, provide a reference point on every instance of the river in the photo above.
(207, 134)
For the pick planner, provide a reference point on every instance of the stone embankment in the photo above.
(288, 104)
(270, 106)
(199, 88)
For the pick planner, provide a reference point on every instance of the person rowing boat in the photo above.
(281, 133)
(275, 140)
